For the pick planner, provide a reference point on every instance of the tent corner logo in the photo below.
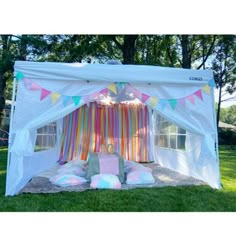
(195, 78)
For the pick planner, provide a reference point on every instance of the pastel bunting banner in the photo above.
(19, 76)
(44, 93)
(35, 87)
(86, 99)
(199, 94)
(153, 101)
(206, 89)
(173, 103)
(163, 103)
(27, 83)
(144, 97)
(55, 97)
(191, 99)
(65, 99)
(76, 100)
(182, 101)
(112, 87)
(212, 83)
(122, 84)
(104, 92)
(137, 93)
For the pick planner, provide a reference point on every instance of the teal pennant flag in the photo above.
(173, 103)
(212, 83)
(76, 100)
(19, 76)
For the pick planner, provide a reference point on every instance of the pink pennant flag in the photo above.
(137, 93)
(199, 94)
(95, 95)
(86, 99)
(191, 98)
(104, 92)
(182, 101)
(144, 97)
(27, 83)
(35, 86)
(44, 93)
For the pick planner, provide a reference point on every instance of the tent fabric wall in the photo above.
(79, 79)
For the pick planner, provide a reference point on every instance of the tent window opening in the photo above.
(46, 137)
(168, 135)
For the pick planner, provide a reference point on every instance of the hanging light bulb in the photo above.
(131, 95)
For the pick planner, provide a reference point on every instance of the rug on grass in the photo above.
(163, 177)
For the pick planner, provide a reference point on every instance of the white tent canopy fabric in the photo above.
(165, 85)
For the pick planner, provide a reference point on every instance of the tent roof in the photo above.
(111, 73)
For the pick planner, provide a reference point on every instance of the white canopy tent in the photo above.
(184, 97)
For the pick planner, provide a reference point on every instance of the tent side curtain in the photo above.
(93, 128)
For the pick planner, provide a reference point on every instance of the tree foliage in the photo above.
(186, 51)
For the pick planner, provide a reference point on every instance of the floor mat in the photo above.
(163, 177)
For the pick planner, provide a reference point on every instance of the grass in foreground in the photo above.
(166, 199)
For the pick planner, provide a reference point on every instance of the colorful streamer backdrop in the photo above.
(92, 128)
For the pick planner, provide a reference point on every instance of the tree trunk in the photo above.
(186, 54)
(128, 49)
(3, 64)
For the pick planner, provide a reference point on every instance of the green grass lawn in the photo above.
(166, 199)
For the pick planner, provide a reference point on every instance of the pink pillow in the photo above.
(105, 181)
(67, 180)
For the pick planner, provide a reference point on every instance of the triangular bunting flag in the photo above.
(199, 94)
(112, 87)
(27, 83)
(76, 100)
(144, 97)
(19, 76)
(153, 101)
(191, 98)
(173, 103)
(65, 99)
(122, 84)
(44, 93)
(212, 83)
(182, 101)
(137, 93)
(86, 99)
(163, 103)
(206, 89)
(104, 92)
(35, 87)
(55, 97)
(95, 95)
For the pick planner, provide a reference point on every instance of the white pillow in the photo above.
(73, 170)
(67, 180)
(105, 181)
(140, 177)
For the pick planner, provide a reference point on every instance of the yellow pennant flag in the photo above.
(153, 101)
(206, 89)
(55, 97)
(112, 87)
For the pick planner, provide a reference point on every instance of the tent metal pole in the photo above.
(10, 126)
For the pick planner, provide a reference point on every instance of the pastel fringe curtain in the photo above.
(91, 128)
